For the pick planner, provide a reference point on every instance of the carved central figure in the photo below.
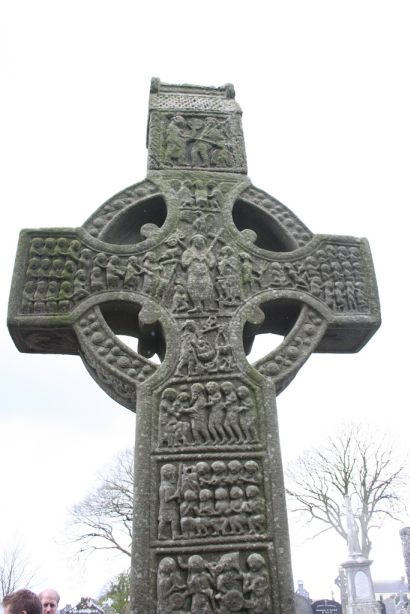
(194, 262)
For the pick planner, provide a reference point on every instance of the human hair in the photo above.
(23, 601)
(49, 591)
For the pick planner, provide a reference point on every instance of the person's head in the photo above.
(49, 599)
(22, 602)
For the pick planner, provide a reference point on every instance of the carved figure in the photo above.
(64, 296)
(208, 145)
(80, 285)
(37, 247)
(57, 268)
(219, 473)
(254, 506)
(235, 472)
(238, 519)
(85, 261)
(132, 274)
(203, 471)
(52, 296)
(170, 587)
(199, 261)
(198, 414)
(252, 474)
(69, 270)
(189, 510)
(206, 505)
(223, 352)
(167, 417)
(229, 582)
(229, 281)
(175, 142)
(180, 300)
(201, 195)
(215, 195)
(222, 510)
(231, 423)
(151, 271)
(98, 280)
(185, 195)
(256, 584)
(40, 296)
(188, 361)
(247, 418)
(169, 495)
(217, 412)
(200, 586)
(28, 297)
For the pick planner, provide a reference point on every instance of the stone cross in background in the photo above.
(195, 261)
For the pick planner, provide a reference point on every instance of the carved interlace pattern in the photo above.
(194, 103)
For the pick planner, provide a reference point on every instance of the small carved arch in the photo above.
(125, 227)
(301, 324)
(270, 235)
(123, 320)
(280, 317)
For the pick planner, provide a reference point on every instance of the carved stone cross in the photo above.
(195, 261)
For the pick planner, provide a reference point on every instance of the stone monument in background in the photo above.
(195, 261)
(358, 583)
(405, 540)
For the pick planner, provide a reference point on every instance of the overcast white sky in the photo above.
(324, 87)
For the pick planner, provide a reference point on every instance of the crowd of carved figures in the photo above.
(212, 413)
(228, 584)
(52, 267)
(211, 499)
(199, 275)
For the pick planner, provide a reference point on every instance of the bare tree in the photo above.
(103, 519)
(356, 461)
(14, 570)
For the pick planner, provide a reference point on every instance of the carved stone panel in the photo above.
(232, 581)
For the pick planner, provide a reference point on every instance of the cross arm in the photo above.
(41, 298)
(65, 296)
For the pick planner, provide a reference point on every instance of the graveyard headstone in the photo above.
(326, 606)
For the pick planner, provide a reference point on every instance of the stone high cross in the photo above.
(195, 261)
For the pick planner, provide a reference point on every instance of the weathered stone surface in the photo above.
(405, 541)
(302, 605)
(356, 579)
(194, 261)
